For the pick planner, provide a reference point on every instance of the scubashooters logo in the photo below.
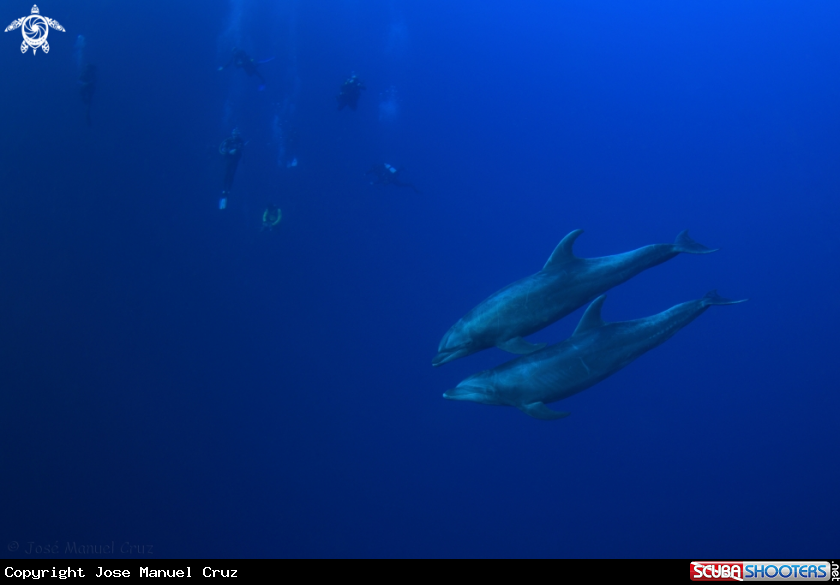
(788, 571)
(35, 29)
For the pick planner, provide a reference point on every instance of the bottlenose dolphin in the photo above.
(565, 284)
(595, 351)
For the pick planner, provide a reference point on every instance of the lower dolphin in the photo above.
(565, 284)
(594, 352)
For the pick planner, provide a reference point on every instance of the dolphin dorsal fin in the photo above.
(592, 317)
(563, 252)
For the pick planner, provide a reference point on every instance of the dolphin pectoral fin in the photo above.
(542, 412)
(518, 345)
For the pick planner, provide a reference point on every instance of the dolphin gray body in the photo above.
(594, 352)
(565, 284)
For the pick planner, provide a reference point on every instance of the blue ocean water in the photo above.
(174, 376)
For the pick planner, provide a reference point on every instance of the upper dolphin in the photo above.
(565, 284)
(595, 351)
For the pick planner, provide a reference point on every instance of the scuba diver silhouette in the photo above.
(349, 93)
(271, 217)
(385, 174)
(231, 149)
(240, 59)
(87, 87)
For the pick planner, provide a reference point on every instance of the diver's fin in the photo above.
(264, 61)
(223, 203)
(563, 252)
(591, 317)
(686, 245)
(713, 298)
(520, 346)
(542, 412)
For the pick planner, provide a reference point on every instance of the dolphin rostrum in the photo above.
(595, 351)
(565, 284)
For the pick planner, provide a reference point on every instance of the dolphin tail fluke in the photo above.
(519, 346)
(686, 245)
(542, 412)
(713, 298)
